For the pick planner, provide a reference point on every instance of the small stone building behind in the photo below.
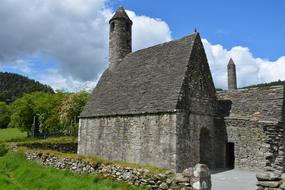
(255, 127)
(159, 106)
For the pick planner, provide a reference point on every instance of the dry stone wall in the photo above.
(197, 177)
(269, 181)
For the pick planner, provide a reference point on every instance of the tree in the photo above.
(70, 109)
(35, 107)
(14, 86)
(22, 114)
(50, 113)
(4, 115)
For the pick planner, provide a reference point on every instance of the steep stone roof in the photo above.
(146, 81)
(262, 103)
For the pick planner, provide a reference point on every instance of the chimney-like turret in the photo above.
(232, 79)
(120, 37)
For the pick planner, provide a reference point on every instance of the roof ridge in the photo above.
(165, 43)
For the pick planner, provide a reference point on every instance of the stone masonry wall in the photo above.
(198, 139)
(258, 145)
(196, 178)
(255, 124)
(147, 139)
(188, 140)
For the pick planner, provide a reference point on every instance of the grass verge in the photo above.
(16, 173)
(12, 134)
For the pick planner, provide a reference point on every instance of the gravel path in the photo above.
(233, 180)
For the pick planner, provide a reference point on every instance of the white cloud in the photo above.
(22, 65)
(74, 33)
(71, 32)
(55, 79)
(148, 31)
(250, 70)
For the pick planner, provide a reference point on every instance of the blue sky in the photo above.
(65, 43)
(257, 24)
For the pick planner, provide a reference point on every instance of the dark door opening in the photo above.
(230, 156)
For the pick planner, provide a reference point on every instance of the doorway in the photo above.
(230, 155)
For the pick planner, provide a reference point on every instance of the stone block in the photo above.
(271, 184)
(268, 176)
(201, 179)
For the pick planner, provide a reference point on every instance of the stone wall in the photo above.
(60, 147)
(165, 140)
(255, 126)
(146, 139)
(199, 138)
(188, 140)
(219, 144)
(197, 177)
(269, 181)
(258, 145)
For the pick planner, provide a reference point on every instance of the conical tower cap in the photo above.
(121, 14)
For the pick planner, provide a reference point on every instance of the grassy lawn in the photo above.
(11, 134)
(16, 173)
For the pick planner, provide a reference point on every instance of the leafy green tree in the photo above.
(4, 115)
(22, 113)
(46, 113)
(34, 108)
(70, 109)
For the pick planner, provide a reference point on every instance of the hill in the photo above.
(279, 82)
(13, 86)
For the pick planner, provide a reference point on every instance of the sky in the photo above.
(65, 43)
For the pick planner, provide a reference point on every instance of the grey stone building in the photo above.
(255, 125)
(153, 106)
(159, 106)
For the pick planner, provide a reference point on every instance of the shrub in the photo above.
(3, 150)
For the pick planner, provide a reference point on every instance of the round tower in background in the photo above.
(232, 79)
(120, 37)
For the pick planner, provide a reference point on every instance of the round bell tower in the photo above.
(120, 37)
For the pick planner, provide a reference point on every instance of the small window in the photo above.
(127, 27)
(112, 26)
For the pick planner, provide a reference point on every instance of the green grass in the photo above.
(16, 173)
(15, 135)
(53, 140)
(12, 134)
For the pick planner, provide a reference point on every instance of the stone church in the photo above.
(159, 106)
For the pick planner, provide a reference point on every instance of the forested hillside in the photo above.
(279, 82)
(13, 86)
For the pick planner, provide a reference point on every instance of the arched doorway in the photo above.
(205, 147)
